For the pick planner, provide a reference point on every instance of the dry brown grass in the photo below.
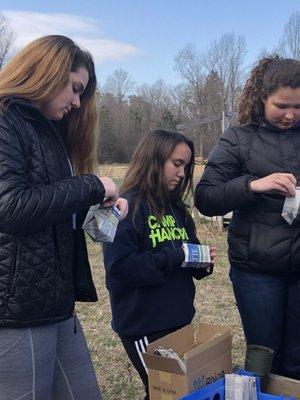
(114, 171)
(117, 171)
(214, 304)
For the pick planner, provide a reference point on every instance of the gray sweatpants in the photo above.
(46, 363)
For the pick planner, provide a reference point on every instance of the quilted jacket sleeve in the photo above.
(224, 185)
(26, 207)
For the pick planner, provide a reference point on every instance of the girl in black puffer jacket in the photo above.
(47, 126)
(252, 169)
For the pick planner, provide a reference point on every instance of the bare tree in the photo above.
(154, 101)
(226, 57)
(181, 101)
(119, 84)
(189, 65)
(123, 122)
(289, 44)
(7, 37)
(157, 94)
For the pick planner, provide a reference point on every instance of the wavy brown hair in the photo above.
(38, 73)
(266, 78)
(145, 174)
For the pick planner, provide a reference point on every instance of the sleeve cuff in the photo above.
(248, 188)
(178, 255)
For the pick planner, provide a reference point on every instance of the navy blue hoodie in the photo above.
(149, 290)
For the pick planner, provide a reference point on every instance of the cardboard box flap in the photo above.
(280, 385)
(199, 358)
(179, 341)
(215, 340)
(207, 332)
(164, 364)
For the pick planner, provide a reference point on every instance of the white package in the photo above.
(101, 223)
(291, 207)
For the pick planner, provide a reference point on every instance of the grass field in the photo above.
(117, 171)
(214, 304)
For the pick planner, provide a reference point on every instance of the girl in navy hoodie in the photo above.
(151, 294)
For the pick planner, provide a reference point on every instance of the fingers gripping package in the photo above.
(291, 207)
(101, 223)
(197, 256)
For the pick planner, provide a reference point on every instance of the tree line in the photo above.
(211, 81)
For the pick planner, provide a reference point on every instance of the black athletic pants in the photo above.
(135, 346)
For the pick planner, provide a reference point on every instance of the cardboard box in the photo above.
(206, 350)
(280, 385)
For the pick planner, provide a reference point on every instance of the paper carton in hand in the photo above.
(101, 223)
(196, 256)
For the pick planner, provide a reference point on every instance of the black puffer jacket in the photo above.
(259, 238)
(38, 269)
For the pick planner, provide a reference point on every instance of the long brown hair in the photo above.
(146, 171)
(269, 75)
(39, 72)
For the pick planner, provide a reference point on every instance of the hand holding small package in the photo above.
(101, 223)
(291, 207)
(197, 256)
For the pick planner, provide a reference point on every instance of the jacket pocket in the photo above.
(252, 246)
